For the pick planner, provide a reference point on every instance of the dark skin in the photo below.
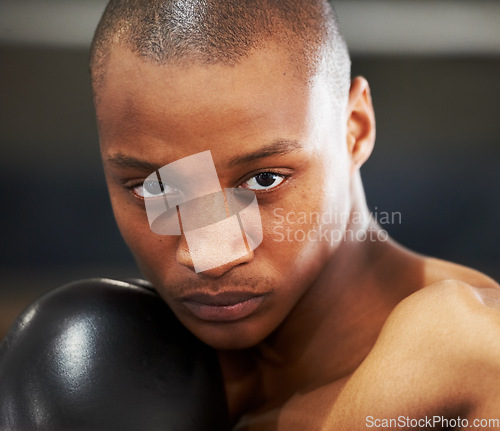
(340, 322)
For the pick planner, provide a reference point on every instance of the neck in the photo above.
(336, 323)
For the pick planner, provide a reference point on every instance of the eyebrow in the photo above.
(122, 161)
(280, 147)
(277, 148)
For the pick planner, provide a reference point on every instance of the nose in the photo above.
(185, 258)
(218, 231)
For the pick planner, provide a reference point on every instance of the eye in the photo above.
(263, 181)
(153, 189)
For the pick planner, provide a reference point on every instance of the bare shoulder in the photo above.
(438, 353)
(459, 316)
(448, 335)
(456, 303)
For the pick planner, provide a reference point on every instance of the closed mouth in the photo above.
(222, 307)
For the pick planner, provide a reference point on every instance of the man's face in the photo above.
(269, 129)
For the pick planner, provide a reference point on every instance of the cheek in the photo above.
(126, 215)
(310, 223)
(147, 247)
(154, 254)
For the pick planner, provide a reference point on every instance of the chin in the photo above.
(226, 343)
(228, 336)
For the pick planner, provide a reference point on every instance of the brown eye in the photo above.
(263, 181)
(152, 189)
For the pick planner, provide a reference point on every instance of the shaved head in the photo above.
(223, 31)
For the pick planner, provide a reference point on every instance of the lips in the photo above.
(222, 307)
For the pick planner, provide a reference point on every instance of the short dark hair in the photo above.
(222, 31)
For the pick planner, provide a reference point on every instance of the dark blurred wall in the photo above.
(437, 156)
(436, 163)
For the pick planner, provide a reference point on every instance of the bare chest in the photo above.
(341, 407)
(303, 411)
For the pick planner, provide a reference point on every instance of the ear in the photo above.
(360, 123)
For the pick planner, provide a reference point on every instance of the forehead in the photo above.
(172, 106)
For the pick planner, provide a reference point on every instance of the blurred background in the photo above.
(434, 70)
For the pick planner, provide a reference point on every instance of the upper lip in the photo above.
(220, 299)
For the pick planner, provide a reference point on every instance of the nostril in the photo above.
(217, 244)
(212, 258)
(220, 270)
(183, 256)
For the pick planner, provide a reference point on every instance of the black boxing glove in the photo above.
(107, 355)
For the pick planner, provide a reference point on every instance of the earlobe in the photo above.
(360, 123)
